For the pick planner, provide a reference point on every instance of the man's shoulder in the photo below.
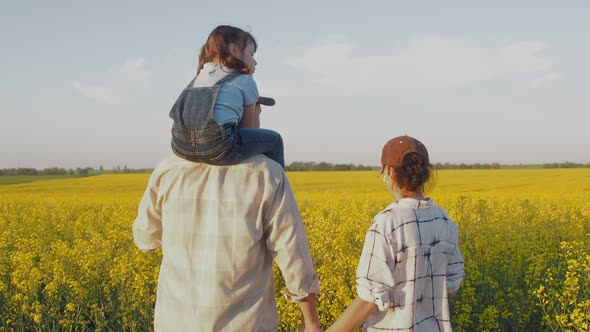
(261, 165)
(258, 164)
(262, 162)
(169, 162)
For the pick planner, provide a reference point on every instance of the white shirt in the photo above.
(219, 228)
(409, 264)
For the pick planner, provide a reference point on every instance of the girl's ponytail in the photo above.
(413, 173)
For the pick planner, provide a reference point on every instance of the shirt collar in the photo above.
(414, 203)
(211, 67)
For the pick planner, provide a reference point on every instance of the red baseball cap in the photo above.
(396, 148)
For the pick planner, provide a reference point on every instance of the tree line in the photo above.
(467, 166)
(498, 165)
(566, 165)
(46, 171)
(85, 171)
(300, 166)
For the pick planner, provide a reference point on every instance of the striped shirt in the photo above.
(220, 227)
(409, 264)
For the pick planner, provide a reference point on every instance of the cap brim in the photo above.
(266, 101)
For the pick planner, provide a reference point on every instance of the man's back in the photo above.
(220, 228)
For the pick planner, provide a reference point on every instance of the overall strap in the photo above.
(190, 85)
(223, 80)
(227, 78)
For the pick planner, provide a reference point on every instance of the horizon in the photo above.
(452, 166)
(476, 83)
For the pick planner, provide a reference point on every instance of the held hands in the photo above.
(310, 328)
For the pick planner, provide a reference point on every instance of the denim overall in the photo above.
(197, 137)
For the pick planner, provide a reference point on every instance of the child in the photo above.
(216, 118)
(410, 263)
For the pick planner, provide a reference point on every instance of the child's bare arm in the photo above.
(251, 116)
(353, 316)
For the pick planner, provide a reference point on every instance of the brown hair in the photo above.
(414, 173)
(216, 47)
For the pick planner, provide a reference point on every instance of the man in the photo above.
(220, 227)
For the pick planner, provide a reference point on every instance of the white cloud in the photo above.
(118, 84)
(101, 93)
(428, 62)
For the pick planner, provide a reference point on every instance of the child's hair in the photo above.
(415, 173)
(215, 48)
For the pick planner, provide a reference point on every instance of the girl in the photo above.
(216, 118)
(410, 263)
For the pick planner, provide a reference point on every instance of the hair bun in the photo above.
(413, 172)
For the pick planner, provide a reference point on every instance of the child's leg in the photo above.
(253, 141)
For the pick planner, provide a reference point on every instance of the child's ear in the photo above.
(233, 49)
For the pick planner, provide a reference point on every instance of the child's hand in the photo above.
(257, 112)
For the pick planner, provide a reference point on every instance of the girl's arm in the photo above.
(353, 316)
(251, 116)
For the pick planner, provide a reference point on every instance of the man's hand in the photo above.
(314, 328)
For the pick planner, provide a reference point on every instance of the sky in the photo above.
(90, 84)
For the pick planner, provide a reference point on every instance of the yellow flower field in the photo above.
(68, 262)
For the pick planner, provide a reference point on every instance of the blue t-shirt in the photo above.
(233, 95)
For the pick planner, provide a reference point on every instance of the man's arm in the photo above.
(147, 228)
(353, 316)
(309, 312)
(287, 241)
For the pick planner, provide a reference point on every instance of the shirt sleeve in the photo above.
(147, 228)
(287, 241)
(455, 271)
(374, 277)
(247, 85)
